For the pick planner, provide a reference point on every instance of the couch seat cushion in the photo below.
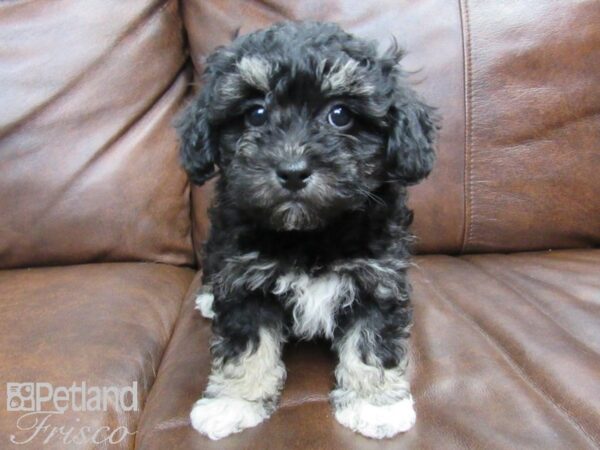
(103, 324)
(504, 355)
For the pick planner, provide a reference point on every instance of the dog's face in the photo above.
(305, 121)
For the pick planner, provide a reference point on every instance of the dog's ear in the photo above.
(198, 145)
(410, 147)
(413, 126)
(197, 133)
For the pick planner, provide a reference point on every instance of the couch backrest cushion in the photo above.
(89, 165)
(517, 85)
(533, 124)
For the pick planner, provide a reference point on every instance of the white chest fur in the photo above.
(315, 301)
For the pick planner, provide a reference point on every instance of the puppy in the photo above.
(316, 138)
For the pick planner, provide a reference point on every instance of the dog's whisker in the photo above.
(372, 196)
(350, 137)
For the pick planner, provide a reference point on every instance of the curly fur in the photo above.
(329, 259)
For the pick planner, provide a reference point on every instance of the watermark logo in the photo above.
(20, 396)
(42, 406)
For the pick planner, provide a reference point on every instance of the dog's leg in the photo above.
(247, 375)
(372, 395)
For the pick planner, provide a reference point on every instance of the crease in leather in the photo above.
(548, 129)
(290, 404)
(558, 288)
(188, 193)
(130, 31)
(581, 256)
(170, 330)
(468, 98)
(563, 292)
(120, 134)
(196, 261)
(171, 424)
(272, 9)
(117, 136)
(510, 361)
(161, 360)
(534, 305)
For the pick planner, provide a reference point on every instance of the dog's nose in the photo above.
(293, 175)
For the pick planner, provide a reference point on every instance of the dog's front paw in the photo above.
(377, 421)
(219, 417)
(204, 302)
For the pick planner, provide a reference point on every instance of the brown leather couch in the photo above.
(99, 228)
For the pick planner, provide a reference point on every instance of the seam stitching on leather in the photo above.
(467, 72)
(532, 303)
(512, 363)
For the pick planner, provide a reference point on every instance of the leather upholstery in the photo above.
(532, 129)
(102, 324)
(505, 347)
(504, 355)
(88, 156)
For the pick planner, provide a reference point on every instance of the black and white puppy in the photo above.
(316, 137)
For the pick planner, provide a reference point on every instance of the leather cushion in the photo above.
(504, 354)
(533, 129)
(102, 324)
(89, 161)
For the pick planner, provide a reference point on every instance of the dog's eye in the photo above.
(340, 117)
(256, 116)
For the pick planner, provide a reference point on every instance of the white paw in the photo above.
(220, 417)
(204, 302)
(378, 421)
